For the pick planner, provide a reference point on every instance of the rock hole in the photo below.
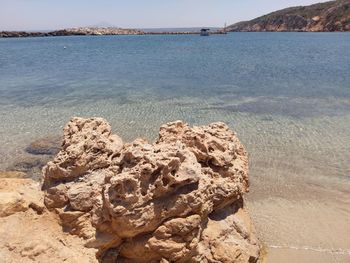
(115, 155)
(155, 175)
(165, 181)
(129, 186)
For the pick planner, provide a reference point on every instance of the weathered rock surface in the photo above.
(179, 199)
(18, 195)
(29, 233)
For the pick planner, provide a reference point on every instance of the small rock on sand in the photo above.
(10, 203)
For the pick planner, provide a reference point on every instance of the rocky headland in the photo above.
(80, 31)
(179, 199)
(323, 17)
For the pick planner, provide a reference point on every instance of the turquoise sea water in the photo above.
(286, 94)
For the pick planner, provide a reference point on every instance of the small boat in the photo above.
(205, 32)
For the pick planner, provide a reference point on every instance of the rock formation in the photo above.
(176, 200)
(96, 31)
(80, 31)
(328, 16)
(29, 233)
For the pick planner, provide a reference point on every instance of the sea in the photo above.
(286, 95)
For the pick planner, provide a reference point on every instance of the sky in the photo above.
(58, 14)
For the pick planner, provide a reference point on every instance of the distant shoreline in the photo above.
(60, 33)
(97, 32)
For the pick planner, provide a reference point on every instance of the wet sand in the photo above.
(291, 255)
(300, 218)
(298, 231)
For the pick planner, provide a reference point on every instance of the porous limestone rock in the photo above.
(18, 195)
(10, 203)
(29, 233)
(87, 145)
(179, 199)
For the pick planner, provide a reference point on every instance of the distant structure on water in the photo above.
(224, 30)
(205, 32)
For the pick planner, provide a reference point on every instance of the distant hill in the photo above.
(328, 16)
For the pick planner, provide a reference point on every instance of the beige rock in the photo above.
(87, 145)
(18, 195)
(29, 233)
(176, 200)
(231, 235)
(177, 238)
(10, 203)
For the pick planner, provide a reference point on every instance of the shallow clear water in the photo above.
(286, 94)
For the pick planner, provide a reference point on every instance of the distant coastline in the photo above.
(81, 31)
(99, 31)
(332, 16)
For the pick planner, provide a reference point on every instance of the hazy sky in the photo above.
(55, 14)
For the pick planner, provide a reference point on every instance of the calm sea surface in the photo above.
(286, 94)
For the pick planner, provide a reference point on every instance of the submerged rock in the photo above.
(48, 145)
(30, 165)
(179, 199)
